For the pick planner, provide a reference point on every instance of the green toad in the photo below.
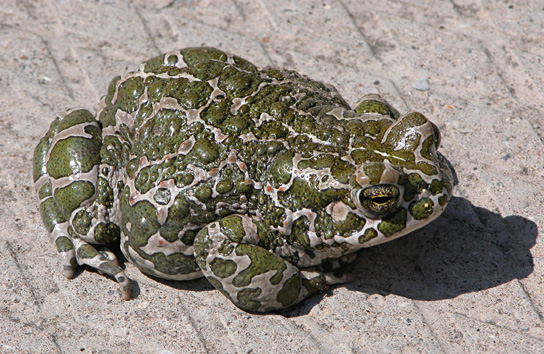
(201, 164)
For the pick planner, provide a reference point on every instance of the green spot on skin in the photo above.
(172, 60)
(73, 195)
(64, 244)
(226, 249)
(51, 214)
(414, 119)
(246, 299)
(176, 263)
(106, 232)
(39, 160)
(142, 217)
(261, 262)
(178, 217)
(129, 93)
(113, 152)
(422, 209)
(223, 268)
(374, 172)
(367, 236)
(142, 182)
(342, 171)
(413, 185)
(427, 169)
(190, 95)
(406, 133)
(361, 156)
(202, 247)
(436, 187)
(225, 186)
(187, 179)
(74, 118)
(82, 222)
(155, 64)
(205, 151)
(111, 90)
(244, 64)
(203, 193)
(155, 89)
(290, 291)
(107, 116)
(375, 106)
(73, 155)
(393, 224)
(194, 56)
(315, 284)
(216, 113)
(236, 124)
(304, 194)
(110, 268)
(282, 167)
(428, 149)
(86, 252)
(207, 70)
(237, 83)
(233, 228)
(300, 229)
(104, 195)
(244, 187)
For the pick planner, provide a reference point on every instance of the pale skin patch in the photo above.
(340, 211)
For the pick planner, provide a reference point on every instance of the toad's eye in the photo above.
(380, 199)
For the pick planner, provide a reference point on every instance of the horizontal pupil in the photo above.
(381, 200)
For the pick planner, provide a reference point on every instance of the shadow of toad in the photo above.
(465, 250)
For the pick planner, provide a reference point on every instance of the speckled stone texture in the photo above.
(470, 282)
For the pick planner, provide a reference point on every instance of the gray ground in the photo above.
(471, 282)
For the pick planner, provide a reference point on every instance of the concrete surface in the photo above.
(471, 282)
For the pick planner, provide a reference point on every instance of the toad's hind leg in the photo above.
(235, 255)
(66, 163)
